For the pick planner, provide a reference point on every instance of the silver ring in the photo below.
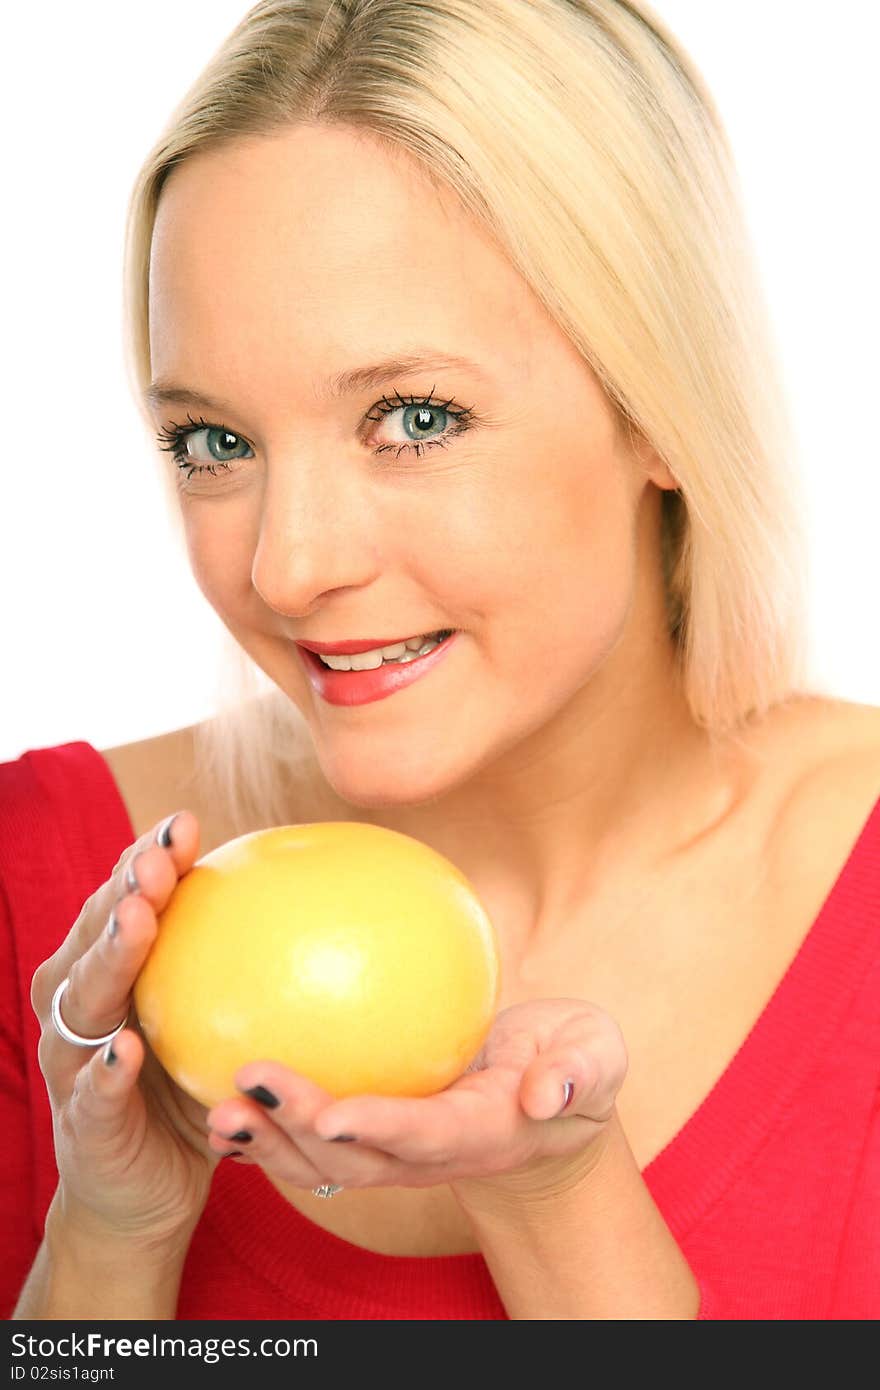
(326, 1190)
(67, 1033)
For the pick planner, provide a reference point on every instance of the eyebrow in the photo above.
(342, 384)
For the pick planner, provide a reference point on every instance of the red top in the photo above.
(772, 1187)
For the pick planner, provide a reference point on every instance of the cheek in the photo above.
(220, 547)
(546, 557)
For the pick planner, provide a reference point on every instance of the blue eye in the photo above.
(219, 442)
(427, 424)
(430, 424)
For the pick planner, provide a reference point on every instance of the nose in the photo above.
(317, 533)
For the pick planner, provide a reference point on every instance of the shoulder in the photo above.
(836, 750)
(156, 776)
(159, 775)
(831, 750)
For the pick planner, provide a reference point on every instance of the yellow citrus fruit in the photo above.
(355, 955)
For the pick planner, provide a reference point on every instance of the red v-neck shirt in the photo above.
(771, 1188)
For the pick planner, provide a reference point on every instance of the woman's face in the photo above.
(282, 262)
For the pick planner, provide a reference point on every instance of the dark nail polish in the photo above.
(265, 1097)
(109, 1055)
(242, 1137)
(567, 1096)
(112, 924)
(344, 1139)
(131, 882)
(164, 836)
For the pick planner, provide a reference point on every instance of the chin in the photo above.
(377, 785)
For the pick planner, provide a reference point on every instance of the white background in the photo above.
(105, 636)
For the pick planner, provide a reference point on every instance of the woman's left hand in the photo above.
(532, 1107)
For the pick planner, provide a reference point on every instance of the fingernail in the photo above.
(263, 1096)
(164, 834)
(112, 924)
(567, 1096)
(344, 1139)
(109, 1055)
(131, 882)
(242, 1137)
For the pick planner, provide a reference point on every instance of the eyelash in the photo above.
(176, 436)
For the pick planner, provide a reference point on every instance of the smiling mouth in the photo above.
(397, 654)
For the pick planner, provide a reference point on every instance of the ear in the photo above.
(653, 467)
(661, 476)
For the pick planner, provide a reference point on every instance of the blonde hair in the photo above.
(581, 134)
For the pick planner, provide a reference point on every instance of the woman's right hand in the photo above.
(131, 1147)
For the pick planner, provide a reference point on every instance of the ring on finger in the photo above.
(67, 1033)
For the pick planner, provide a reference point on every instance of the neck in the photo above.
(620, 780)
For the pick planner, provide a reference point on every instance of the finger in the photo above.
(578, 1071)
(452, 1125)
(98, 995)
(274, 1136)
(272, 1092)
(150, 868)
(278, 1107)
(106, 1104)
(99, 982)
(292, 1100)
(551, 1084)
(142, 869)
(304, 1160)
(567, 1083)
(292, 1166)
(155, 863)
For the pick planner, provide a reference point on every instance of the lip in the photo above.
(368, 644)
(362, 687)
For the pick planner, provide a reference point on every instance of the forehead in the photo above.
(320, 243)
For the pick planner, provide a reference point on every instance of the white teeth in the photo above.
(365, 661)
(398, 652)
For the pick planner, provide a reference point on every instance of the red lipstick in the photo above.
(362, 687)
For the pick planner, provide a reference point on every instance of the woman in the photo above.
(446, 319)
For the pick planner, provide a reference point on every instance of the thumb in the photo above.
(560, 1082)
(107, 1107)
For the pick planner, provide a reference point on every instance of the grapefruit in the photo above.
(355, 955)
